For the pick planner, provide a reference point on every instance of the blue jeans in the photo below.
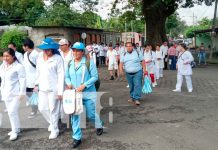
(173, 62)
(90, 113)
(135, 84)
(202, 57)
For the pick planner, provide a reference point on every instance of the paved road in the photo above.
(164, 121)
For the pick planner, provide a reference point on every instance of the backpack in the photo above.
(98, 82)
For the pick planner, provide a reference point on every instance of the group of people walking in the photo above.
(49, 73)
(59, 67)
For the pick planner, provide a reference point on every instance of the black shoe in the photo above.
(112, 78)
(62, 127)
(99, 131)
(116, 74)
(76, 143)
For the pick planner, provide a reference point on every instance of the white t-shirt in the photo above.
(111, 55)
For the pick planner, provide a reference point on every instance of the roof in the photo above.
(81, 28)
(206, 30)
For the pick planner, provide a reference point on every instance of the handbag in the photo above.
(34, 99)
(146, 89)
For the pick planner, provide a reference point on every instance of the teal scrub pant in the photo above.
(92, 116)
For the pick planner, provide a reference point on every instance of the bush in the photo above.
(13, 35)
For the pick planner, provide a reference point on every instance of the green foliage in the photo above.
(14, 35)
(203, 24)
(20, 11)
(174, 25)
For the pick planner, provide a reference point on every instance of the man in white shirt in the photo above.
(112, 58)
(164, 49)
(17, 54)
(65, 51)
(66, 54)
(29, 62)
(96, 51)
(102, 54)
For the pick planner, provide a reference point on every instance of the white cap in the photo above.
(63, 42)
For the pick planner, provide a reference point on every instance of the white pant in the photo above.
(49, 106)
(12, 106)
(180, 80)
(159, 73)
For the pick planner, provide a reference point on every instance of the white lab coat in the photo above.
(13, 80)
(185, 69)
(19, 56)
(150, 56)
(159, 63)
(164, 49)
(51, 83)
(50, 74)
(29, 69)
(12, 87)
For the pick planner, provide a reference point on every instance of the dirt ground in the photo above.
(164, 121)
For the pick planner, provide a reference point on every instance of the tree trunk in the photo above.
(155, 27)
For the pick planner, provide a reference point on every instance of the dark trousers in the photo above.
(97, 62)
(173, 62)
(102, 60)
(165, 62)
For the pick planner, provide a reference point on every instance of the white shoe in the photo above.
(153, 84)
(13, 136)
(161, 76)
(10, 133)
(176, 90)
(53, 136)
(190, 91)
(127, 86)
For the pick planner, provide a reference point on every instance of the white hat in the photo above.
(63, 42)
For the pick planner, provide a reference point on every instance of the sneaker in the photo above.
(112, 78)
(153, 84)
(137, 102)
(176, 90)
(13, 136)
(76, 143)
(99, 131)
(127, 86)
(32, 115)
(53, 136)
(10, 133)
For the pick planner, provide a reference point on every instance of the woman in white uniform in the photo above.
(50, 81)
(13, 89)
(149, 57)
(159, 62)
(184, 68)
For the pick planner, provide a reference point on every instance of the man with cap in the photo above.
(81, 77)
(66, 54)
(50, 83)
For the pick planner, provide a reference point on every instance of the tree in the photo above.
(156, 13)
(59, 15)
(21, 11)
(175, 26)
